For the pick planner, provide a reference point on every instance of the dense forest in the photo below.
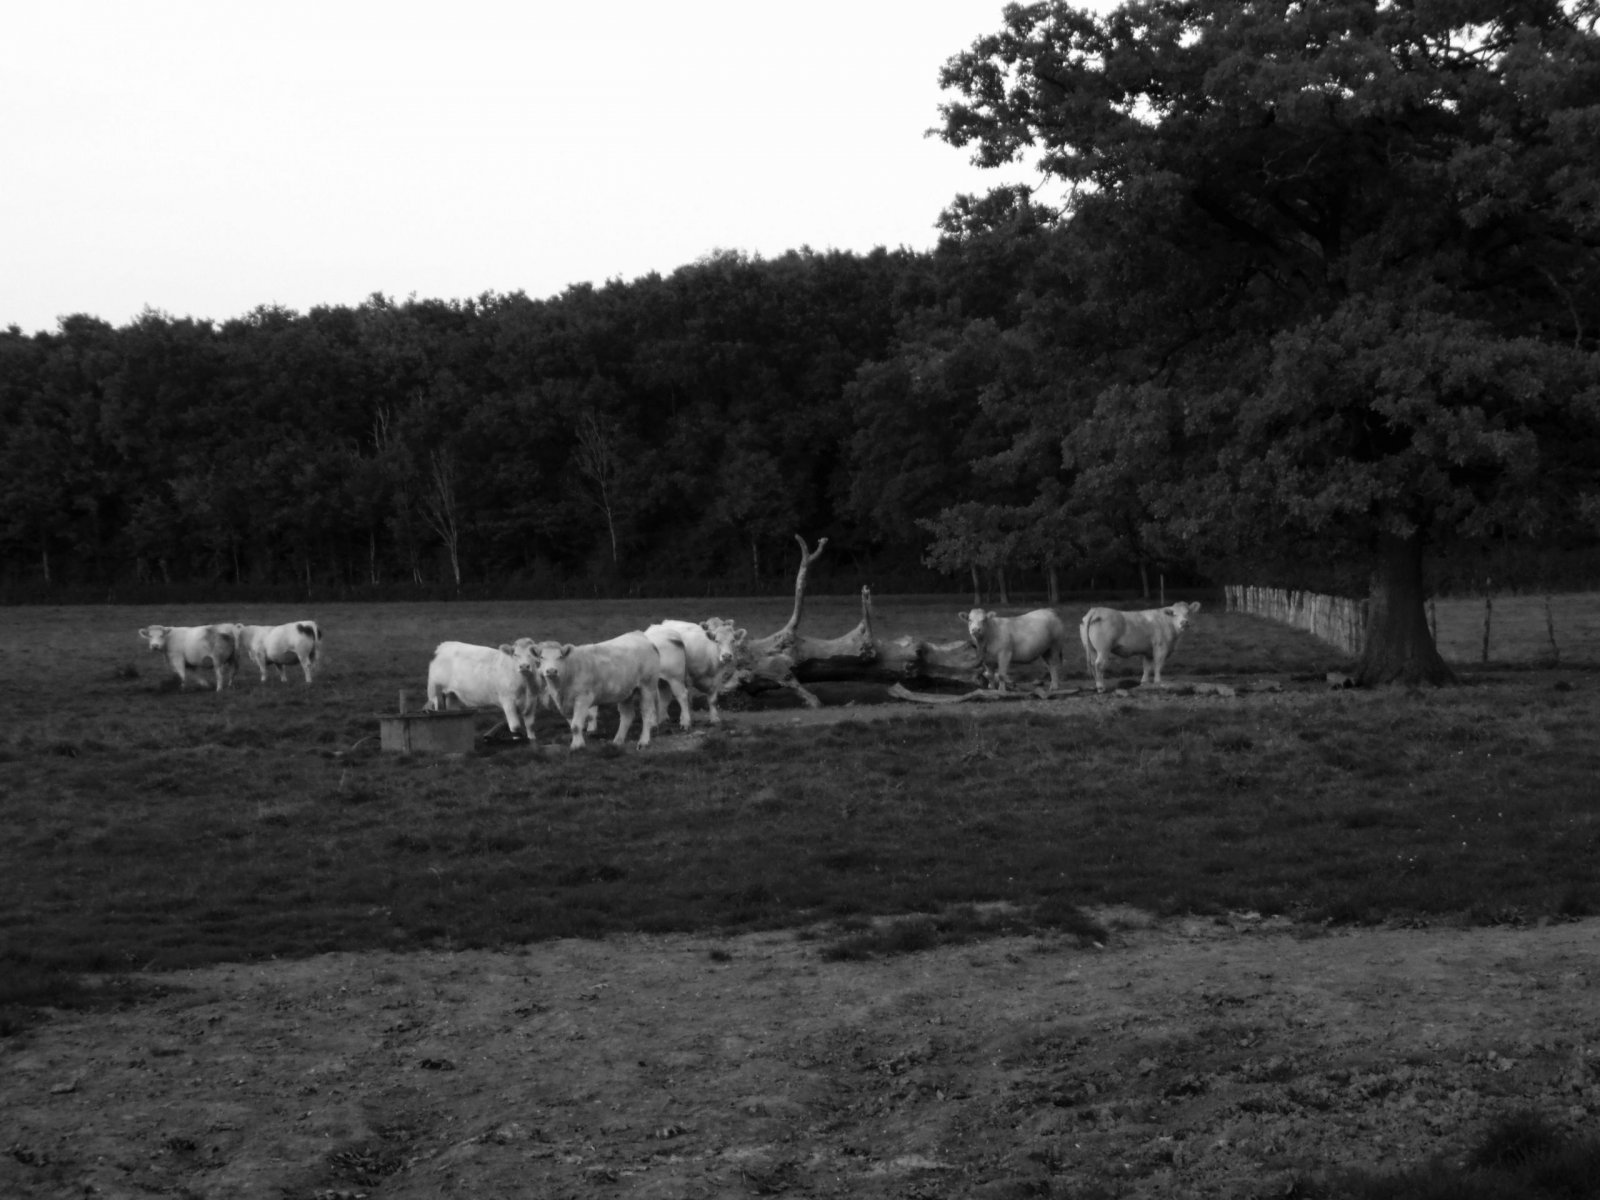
(1307, 293)
(664, 433)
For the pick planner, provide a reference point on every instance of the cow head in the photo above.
(1180, 614)
(526, 651)
(728, 639)
(976, 619)
(540, 664)
(156, 636)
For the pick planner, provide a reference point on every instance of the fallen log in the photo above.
(980, 695)
(793, 661)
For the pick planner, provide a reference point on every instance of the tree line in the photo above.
(1307, 293)
(669, 431)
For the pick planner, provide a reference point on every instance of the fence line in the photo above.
(1337, 620)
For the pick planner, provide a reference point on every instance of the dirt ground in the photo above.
(1180, 1059)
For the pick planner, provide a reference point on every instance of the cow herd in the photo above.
(643, 672)
(225, 646)
(1149, 635)
(630, 671)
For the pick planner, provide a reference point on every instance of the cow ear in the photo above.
(567, 649)
(1194, 607)
(505, 649)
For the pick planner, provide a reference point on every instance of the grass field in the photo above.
(156, 828)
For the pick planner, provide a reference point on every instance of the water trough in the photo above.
(423, 732)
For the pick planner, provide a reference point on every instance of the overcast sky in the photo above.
(205, 158)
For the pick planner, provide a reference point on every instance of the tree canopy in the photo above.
(1327, 282)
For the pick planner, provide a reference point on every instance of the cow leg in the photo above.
(648, 715)
(680, 693)
(580, 715)
(1144, 674)
(1098, 662)
(513, 715)
(306, 665)
(626, 711)
(1002, 671)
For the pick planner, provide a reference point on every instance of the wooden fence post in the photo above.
(1488, 617)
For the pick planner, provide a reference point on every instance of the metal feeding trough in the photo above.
(423, 732)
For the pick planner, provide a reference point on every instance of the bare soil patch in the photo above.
(1203, 1058)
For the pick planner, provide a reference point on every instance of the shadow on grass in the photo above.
(857, 938)
(1522, 1155)
(28, 988)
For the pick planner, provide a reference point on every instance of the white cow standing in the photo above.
(711, 652)
(1152, 634)
(625, 671)
(190, 647)
(480, 676)
(1025, 639)
(281, 646)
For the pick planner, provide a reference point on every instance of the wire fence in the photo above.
(1337, 620)
(1534, 628)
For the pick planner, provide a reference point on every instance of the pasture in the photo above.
(158, 828)
(159, 838)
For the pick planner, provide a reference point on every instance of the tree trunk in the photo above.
(1399, 648)
(1052, 585)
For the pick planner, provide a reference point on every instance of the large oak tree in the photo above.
(1339, 260)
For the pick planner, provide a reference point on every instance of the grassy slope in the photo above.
(150, 827)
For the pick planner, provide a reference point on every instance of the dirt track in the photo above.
(1198, 1058)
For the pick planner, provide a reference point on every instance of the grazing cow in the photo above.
(1025, 639)
(711, 650)
(625, 671)
(280, 646)
(478, 676)
(1151, 634)
(193, 646)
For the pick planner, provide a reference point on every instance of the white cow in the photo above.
(480, 676)
(280, 646)
(1152, 634)
(625, 671)
(674, 671)
(1025, 639)
(194, 646)
(711, 651)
